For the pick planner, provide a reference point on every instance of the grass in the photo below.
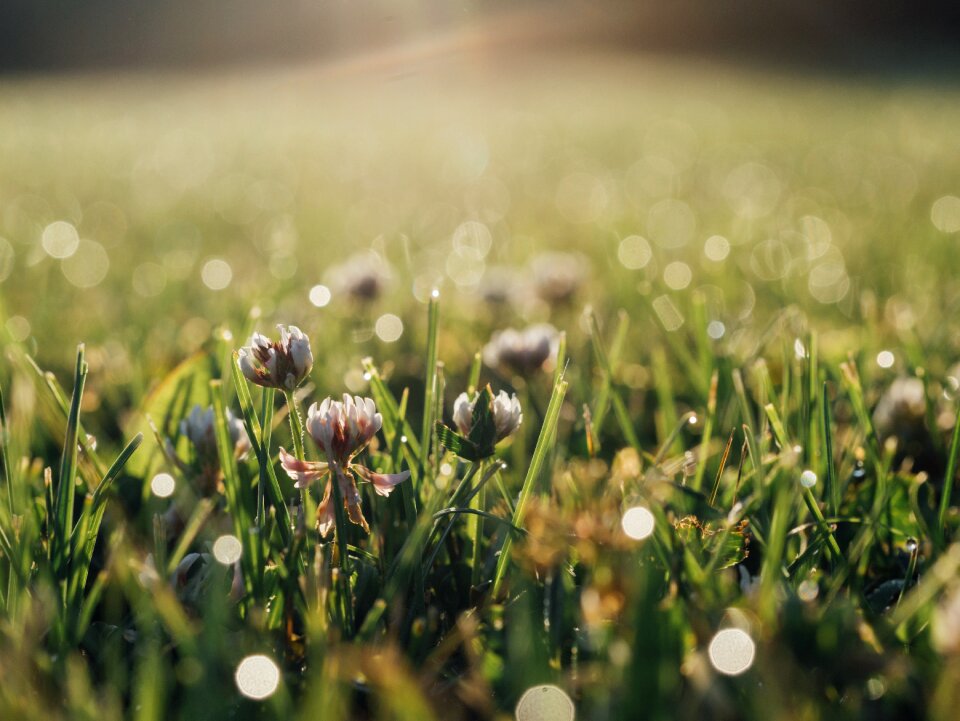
(696, 377)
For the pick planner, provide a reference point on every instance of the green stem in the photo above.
(340, 519)
(454, 501)
(296, 425)
(296, 432)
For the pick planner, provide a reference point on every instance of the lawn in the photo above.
(735, 351)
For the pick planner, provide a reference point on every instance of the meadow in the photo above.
(735, 350)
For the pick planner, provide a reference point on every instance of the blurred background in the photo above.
(174, 174)
(44, 34)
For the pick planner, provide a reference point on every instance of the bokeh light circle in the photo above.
(163, 485)
(216, 274)
(227, 549)
(87, 266)
(545, 703)
(257, 677)
(637, 522)
(732, 651)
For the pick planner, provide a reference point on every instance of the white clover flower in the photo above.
(463, 413)
(198, 427)
(901, 413)
(363, 277)
(507, 414)
(902, 407)
(341, 429)
(282, 364)
(558, 276)
(499, 286)
(522, 351)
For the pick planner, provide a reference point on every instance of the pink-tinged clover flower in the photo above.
(341, 430)
(279, 364)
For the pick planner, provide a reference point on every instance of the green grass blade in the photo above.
(949, 479)
(267, 473)
(430, 383)
(66, 482)
(545, 442)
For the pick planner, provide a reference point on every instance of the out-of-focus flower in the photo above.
(901, 414)
(558, 276)
(522, 351)
(279, 364)
(362, 277)
(203, 468)
(341, 429)
(507, 414)
(193, 579)
(945, 629)
(499, 286)
(199, 428)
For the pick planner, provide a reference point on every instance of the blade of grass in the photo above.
(831, 487)
(948, 480)
(5, 474)
(545, 442)
(261, 451)
(66, 483)
(430, 383)
(707, 435)
(85, 533)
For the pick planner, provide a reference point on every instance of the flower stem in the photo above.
(340, 519)
(296, 431)
(296, 425)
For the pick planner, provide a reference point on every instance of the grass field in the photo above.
(745, 424)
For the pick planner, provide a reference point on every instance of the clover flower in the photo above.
(901, 413)
(499, 286)
(522, 351)
(363, 277)
(341, 429)
(558, 276)
(506, 411)
(481, 422)
(279, 364)
(203, 467)
(199, 429)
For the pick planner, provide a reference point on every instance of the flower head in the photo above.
(363, 277)
(199, 429)
(341, 429)
(481, 422)
(279, 364)
(499, 286)
(522, 351)
(901, 413)
(203, 467)
(506, 411)
(558, 276)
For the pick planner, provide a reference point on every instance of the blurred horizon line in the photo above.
(855, 35)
